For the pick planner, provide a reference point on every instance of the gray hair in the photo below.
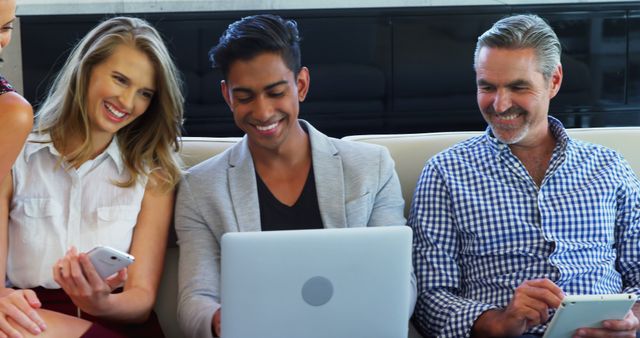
(524, 31)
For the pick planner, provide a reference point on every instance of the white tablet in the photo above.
(577, 311)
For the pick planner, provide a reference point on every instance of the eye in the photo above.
(485, 88)
(147, 94)
(244, 98)
(120, 79)
(6, 28)
(276, 94)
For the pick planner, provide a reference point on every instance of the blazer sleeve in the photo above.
(199, 262)
(388, 205)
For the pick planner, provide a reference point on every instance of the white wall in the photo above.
(44, 7)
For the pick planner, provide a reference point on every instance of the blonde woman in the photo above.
(99, 169)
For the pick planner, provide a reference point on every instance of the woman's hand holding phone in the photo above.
(78, 277)
(20, 305)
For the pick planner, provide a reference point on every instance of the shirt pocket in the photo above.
(115, 225)
(41, 214)
(359, 210)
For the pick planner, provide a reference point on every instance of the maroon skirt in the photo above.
(57, 300)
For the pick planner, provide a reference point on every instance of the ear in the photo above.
(555, 81)
(303, 82)
(225, 92)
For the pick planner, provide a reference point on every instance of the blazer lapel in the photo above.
(243, 189)
(327, 167)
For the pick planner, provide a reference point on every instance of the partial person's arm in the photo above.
(440, 311)
(627, 242)
(528, 307)
(17, 307)
(388, 207)
(628, 229)
(134, 304)
(199, 266)
(388, 204)
(16, 120)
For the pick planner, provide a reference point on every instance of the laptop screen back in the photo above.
(339, 283)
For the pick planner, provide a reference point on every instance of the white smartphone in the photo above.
(108, 260)
(578, 311)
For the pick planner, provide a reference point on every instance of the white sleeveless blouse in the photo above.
(55, 206)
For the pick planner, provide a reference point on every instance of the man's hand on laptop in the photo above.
(626, 327)
(215, 323)
(528, 307)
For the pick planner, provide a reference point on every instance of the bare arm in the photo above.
(148, 247)
(16, 306)
(16, 120)
(93, 295)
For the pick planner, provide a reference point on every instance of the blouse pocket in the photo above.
(115, 225)
(40, 213)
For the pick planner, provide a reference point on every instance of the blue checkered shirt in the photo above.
(482, 227)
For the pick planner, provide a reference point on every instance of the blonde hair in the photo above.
(149, 144)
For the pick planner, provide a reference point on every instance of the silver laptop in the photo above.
(329, 283)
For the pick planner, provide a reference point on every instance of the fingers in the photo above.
(216, 322)
(31, 298)
(544, 290)
(17, 307)
(32, 303)
(628, 323)
(7, 330)
(118, 279)
(90, 272)
(602, 333)
(531, 302)
(533, 311)
(70, 275)
(625, 327)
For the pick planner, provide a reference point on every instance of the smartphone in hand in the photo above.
(108, 261)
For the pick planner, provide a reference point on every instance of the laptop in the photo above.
(326, 283)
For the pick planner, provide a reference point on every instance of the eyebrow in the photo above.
(483, 82)
(10, 22)
(129, 79)
(515, 83)
(266, 88)
(518, 83)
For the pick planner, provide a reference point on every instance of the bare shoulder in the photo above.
(16, 111)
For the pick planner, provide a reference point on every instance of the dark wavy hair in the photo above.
(257, 34)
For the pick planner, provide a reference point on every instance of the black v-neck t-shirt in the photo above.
(304, 214)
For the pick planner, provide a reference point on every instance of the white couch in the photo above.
(410, 151)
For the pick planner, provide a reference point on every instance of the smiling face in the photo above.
(265, 97)
(120, 90)
(7, 18)
(513, 95)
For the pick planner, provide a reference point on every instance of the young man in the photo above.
(284, 174)
(508, 222)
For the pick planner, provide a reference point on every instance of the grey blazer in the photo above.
(356, 185)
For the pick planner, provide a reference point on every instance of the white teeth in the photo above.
(508, 117)
(115, 112)
(269, 127)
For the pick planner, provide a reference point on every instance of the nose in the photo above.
(262, 109)
(127, 99)
(4, 40)
(502, 100)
